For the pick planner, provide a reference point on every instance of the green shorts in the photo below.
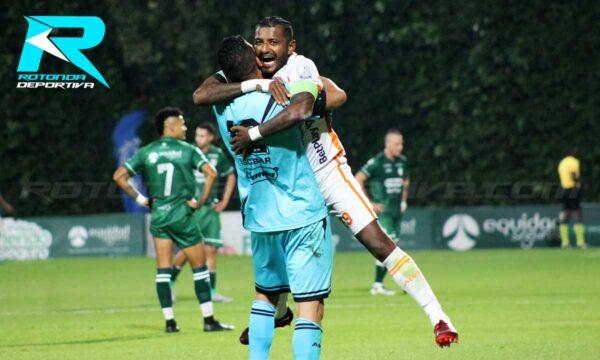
(391, 225)
(209, 222)
(184, 230)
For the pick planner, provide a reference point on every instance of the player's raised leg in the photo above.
(389, 226)
(409, 277)
(164, 250)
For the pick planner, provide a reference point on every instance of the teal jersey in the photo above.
(277, 187)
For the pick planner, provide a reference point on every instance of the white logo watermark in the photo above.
(463, 229)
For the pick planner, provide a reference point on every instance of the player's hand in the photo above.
(220, 206)
(279, 92)
(378, 208)
(193, 203)
(403, 207)
(241, 142)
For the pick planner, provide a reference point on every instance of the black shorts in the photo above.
(571, 198)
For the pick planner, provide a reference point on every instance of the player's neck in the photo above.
(205, 148)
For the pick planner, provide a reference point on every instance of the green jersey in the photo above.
(167, 166)
(386, 181)
(217, 158)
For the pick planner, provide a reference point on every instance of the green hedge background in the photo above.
(485, 92)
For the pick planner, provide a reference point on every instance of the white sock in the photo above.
(408, 276)
(168, 313)
(281, 306)
(207, 309)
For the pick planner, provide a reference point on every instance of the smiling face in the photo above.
(272, 49)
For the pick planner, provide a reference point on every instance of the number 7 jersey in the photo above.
(167, 166)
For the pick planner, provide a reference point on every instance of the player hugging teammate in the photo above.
(275, 50)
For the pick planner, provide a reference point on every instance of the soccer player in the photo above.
(208, 214)
(282, 207)
(275, 47)
(167, 165)
(570, 182)
(386, 175)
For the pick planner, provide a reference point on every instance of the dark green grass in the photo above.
(507, 304)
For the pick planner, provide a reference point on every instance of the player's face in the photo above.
(394, 144)
(179, 128)
(271, 49)
(203, 137)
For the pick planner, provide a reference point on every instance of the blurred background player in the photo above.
(386, 175)
(208, 214)
(167, 165)
(570, 183)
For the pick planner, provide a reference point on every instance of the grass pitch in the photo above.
(507, 304)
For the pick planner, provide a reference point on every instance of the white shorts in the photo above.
(343, 195)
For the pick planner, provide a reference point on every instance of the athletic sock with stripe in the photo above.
(408, 276)
(262, 329)
(306, 341)
(202, 289)
(163, 290)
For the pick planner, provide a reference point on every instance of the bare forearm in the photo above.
(209, 181)
(229, 186)
(336, 97)
(299, 111)
(212, 91)
(121, 177)
(405, 190)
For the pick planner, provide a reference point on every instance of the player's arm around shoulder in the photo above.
(334, 95)
(303, 93)
(217, 89)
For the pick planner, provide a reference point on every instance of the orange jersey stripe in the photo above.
(362, 200)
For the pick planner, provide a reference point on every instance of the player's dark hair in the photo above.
(208, 127)
(272, 21)
(162, 115)
(236, 58)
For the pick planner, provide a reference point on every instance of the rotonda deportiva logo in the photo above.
(39, 41)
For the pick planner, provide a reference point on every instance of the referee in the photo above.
(570, 182)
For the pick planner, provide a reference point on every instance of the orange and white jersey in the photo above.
(322, 143)
(327, 156)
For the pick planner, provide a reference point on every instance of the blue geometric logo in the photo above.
(65, 48)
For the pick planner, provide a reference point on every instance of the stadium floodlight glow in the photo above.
(38, 41)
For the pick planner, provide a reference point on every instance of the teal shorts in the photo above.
(299, 261)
